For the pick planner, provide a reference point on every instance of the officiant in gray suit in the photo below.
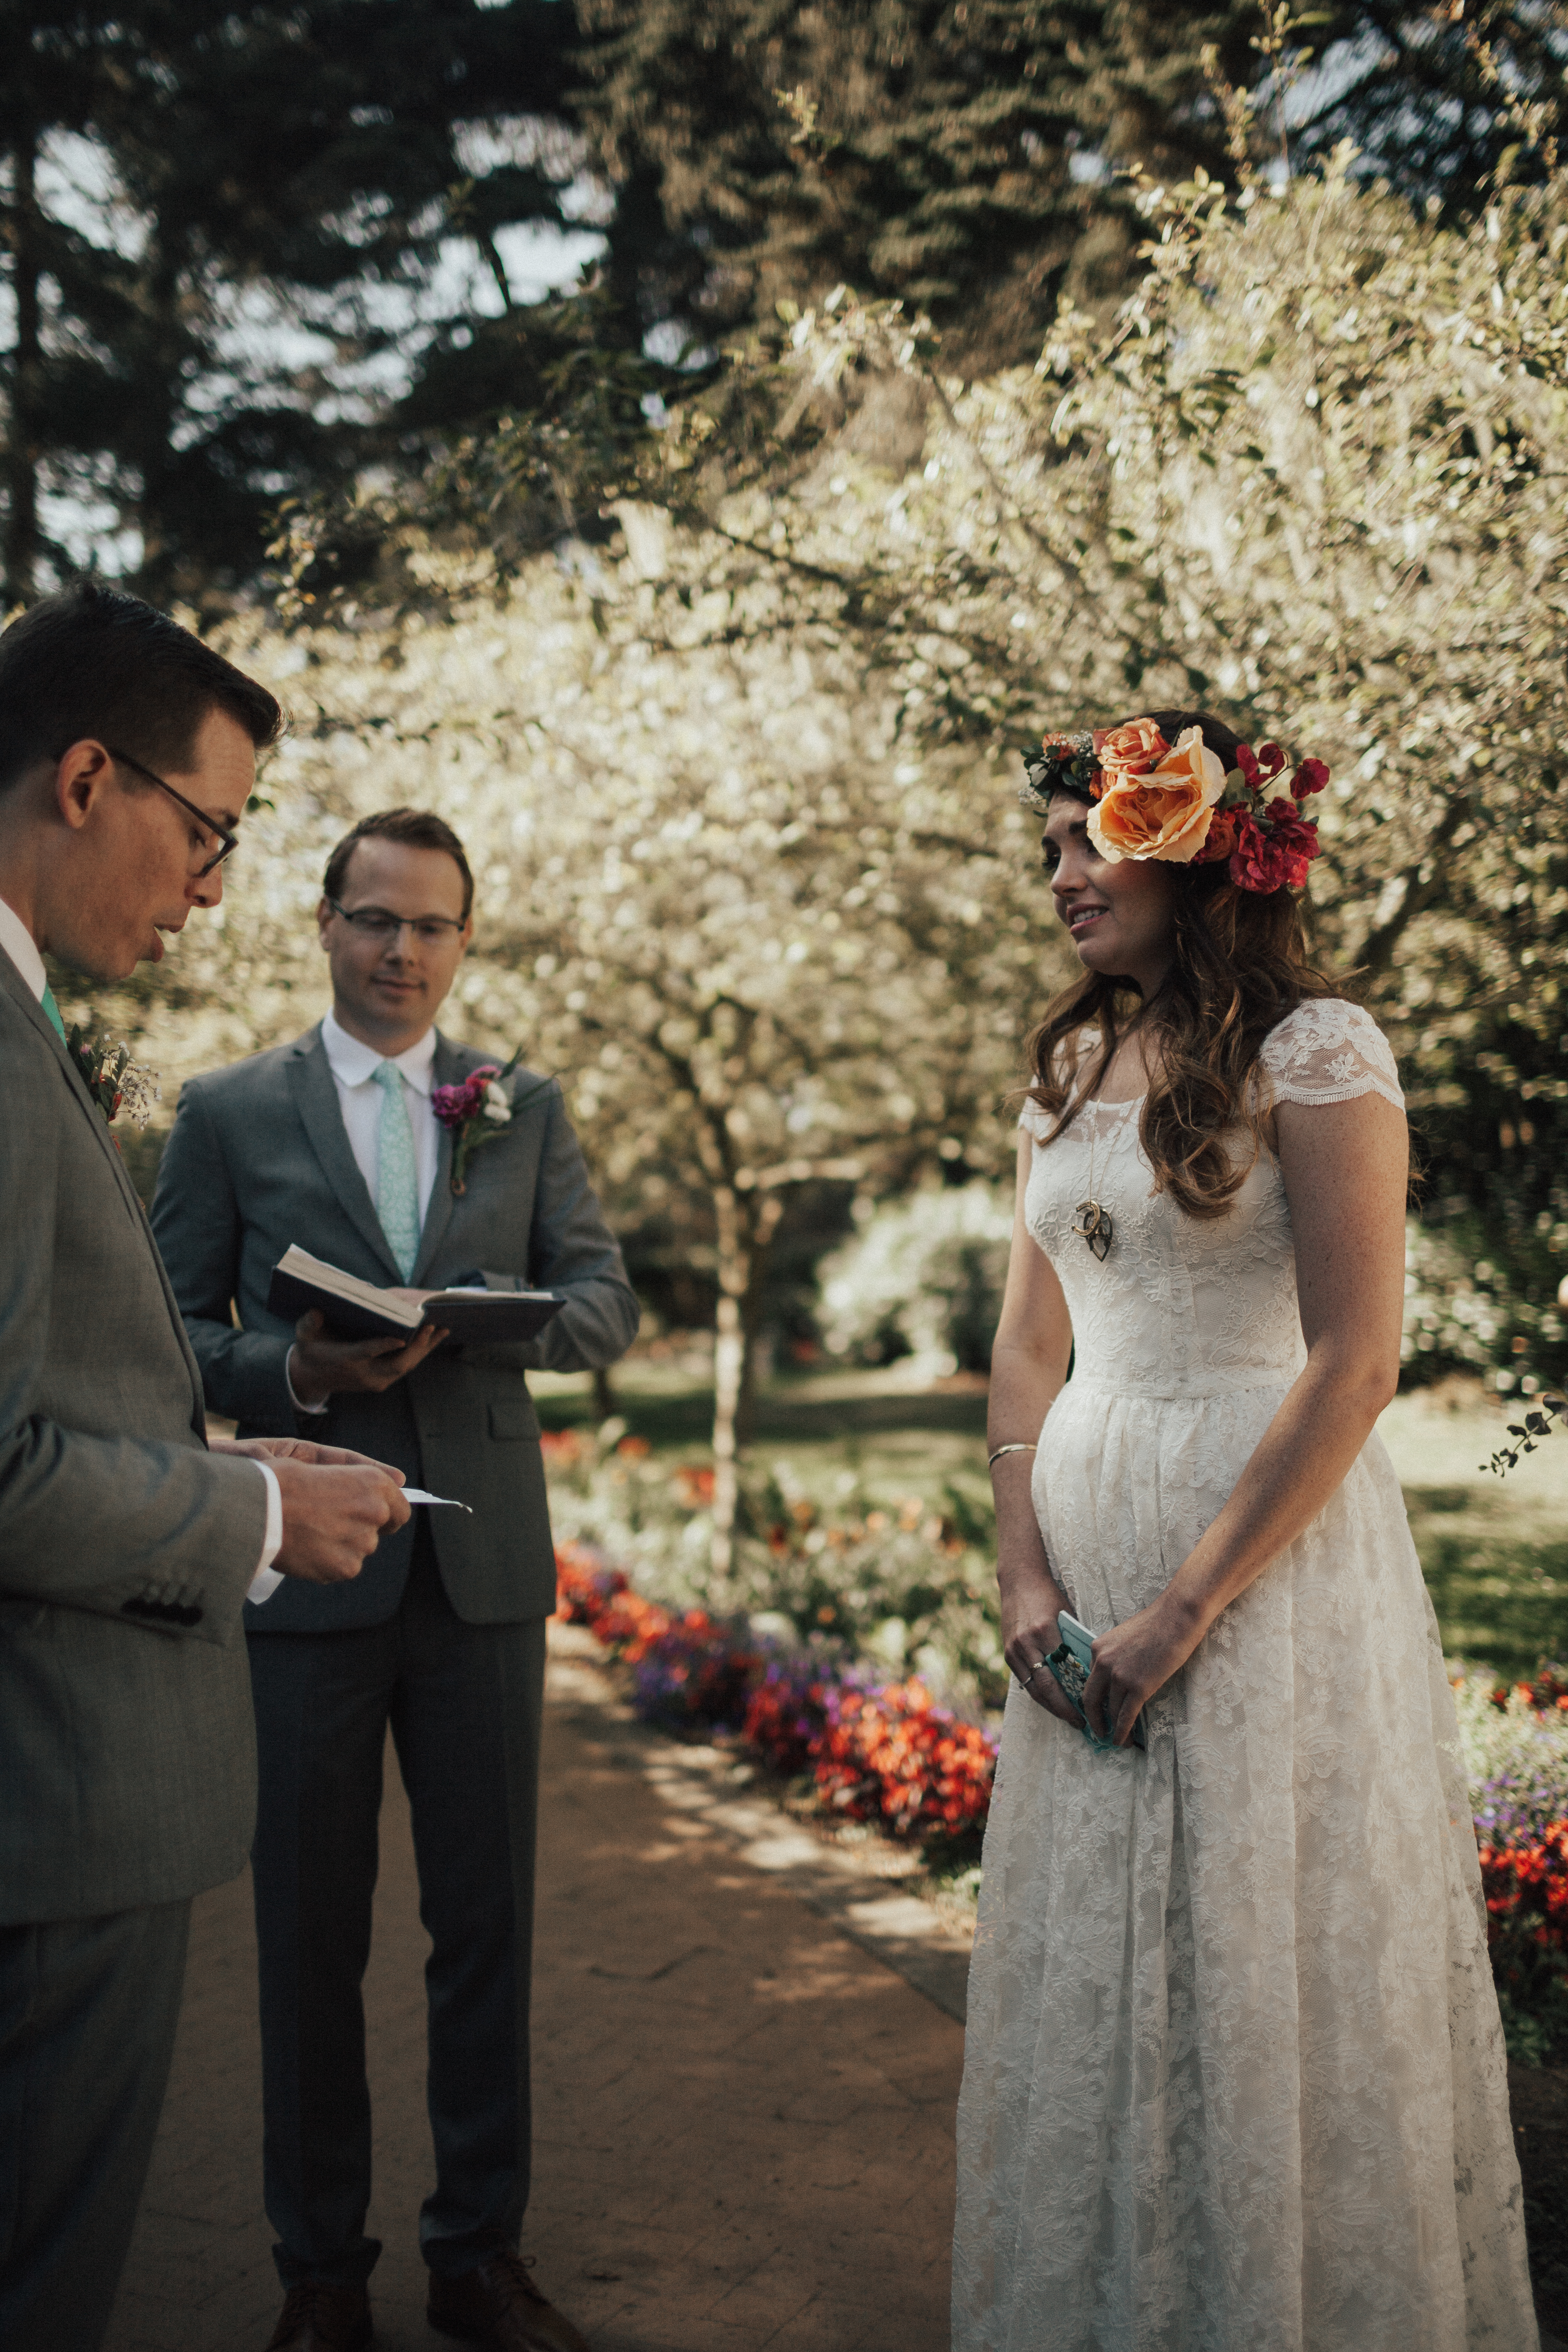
(334, 1143)
(126, 1543)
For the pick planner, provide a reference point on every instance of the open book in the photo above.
(358, 1310)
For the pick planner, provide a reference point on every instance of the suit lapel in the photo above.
(23, 995)
(452, 1065)
(16, 987)
(316, 1099)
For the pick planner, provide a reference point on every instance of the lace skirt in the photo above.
(1234, 2073)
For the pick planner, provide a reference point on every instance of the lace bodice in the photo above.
(1181, 1305)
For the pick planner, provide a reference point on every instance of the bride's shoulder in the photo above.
(1071, 1056)
(1329, 1050)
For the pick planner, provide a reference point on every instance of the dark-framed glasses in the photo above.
(379, 924)
(227, 842)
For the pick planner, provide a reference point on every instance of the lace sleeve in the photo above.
(1329, 1052)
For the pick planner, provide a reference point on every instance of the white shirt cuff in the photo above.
(268, 1578)
(289, 1383)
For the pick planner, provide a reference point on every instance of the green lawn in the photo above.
(1495, 1551)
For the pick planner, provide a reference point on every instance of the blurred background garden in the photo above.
(695, 446)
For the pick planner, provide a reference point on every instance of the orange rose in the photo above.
(1128, 750)
(1164, 813)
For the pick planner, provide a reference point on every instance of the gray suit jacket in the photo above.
(259, 1159)
(126, 1753)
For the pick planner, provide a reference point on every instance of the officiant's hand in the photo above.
(319, 1367)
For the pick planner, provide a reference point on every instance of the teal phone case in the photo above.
(1072, 1662)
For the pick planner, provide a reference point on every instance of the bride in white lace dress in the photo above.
(1234, 2078)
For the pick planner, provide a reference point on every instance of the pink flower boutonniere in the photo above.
(114, 1081)
(477, 1111)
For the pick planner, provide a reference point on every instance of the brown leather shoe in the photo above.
(321, 2318)
(498, 2308)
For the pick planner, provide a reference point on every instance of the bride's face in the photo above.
(1122, 917)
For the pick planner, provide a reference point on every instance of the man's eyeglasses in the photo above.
(227, 842)
(376, 923)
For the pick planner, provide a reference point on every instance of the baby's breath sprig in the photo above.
(114, 1081)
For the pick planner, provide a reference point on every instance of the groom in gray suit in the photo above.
(333, 1142)
(126, 1544)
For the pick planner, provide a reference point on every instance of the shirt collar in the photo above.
(22, 947)
(353, 1063)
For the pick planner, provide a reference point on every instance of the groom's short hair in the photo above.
(94, 662)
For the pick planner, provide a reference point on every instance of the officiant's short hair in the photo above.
(414, 829)
(94, 662)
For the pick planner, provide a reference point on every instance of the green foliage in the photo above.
(220, 230)
(923, 1277)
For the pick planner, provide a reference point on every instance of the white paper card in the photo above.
(418, 1495)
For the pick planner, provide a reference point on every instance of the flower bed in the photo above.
(877, 1752)
(885, 1752)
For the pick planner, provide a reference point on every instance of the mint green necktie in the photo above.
(398, 1186)
(52, 1011)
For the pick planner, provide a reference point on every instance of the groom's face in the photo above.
(136, 854)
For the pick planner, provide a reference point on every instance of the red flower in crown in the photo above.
(1275, 859)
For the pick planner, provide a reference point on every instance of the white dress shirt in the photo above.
(354, 1068)
(23, 950)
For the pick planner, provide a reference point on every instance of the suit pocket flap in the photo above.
(514, 1417)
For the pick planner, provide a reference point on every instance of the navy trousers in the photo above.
(87, 2009)
(463, 1703)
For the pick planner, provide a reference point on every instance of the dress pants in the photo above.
(87, 2010)
(463, 1703)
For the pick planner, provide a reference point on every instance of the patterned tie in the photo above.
(397, 1189)
(52, 1010)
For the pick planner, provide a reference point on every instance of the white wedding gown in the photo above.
(1234, 2077)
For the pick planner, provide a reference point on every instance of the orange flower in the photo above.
(1163, 812)
(1128, 750)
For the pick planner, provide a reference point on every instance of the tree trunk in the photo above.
(21, 462)
(745, 1224)
(729, 1370)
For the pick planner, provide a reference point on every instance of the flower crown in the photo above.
(1176, 803)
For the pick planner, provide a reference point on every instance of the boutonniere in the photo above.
(477, 1111)
(114, 1081)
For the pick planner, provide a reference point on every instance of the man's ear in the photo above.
(81, 777)
(323, 916)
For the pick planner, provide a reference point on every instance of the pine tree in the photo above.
(922, 151)
(293, 163)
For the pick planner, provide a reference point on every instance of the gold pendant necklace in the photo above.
(1094, 1226)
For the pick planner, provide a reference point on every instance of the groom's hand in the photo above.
(319, 1367)
(334, 1513)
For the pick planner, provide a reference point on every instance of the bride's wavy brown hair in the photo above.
(1240, 966)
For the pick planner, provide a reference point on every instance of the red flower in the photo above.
(1310, 777)
(1276, 859)
(455, 1106)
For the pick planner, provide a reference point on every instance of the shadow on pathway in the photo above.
(743, 2121)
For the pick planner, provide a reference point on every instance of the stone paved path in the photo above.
(742, 2122)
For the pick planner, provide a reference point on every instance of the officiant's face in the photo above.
(389, 977)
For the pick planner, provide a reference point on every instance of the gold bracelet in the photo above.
(1018, 1446)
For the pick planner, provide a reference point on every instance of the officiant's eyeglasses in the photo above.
(227, 842)
(376, 923)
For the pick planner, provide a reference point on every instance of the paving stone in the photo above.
(742, 2122)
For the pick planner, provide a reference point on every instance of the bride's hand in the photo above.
(1029, 1607)
(1134, 1661)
